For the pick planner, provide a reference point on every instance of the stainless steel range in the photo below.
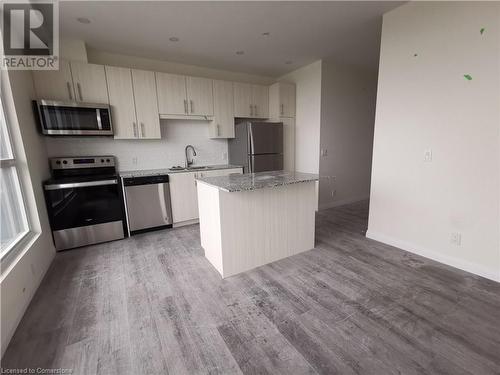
(84, 201)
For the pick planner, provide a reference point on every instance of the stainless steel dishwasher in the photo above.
(148, 205)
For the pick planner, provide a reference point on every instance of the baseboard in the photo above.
(184, 223)
(427, 253)
(342, 202)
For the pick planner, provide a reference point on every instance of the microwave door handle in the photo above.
(99, 122)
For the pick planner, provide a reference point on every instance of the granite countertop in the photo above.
(156, 172)
(261, 180)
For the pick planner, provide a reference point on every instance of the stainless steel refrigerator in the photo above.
(257, 146)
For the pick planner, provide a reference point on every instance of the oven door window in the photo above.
(77, 207)
(69, 118)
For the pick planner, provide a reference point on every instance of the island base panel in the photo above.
(243, 230)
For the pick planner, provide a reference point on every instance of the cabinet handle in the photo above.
(218, 130)
(143, 132)
(192, 106)
(282, 109)
(69, 90)
(79, 91)
(251, 110)
(185, 106)
(134, 125)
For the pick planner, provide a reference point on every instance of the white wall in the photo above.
(307, 116)
(150, 154)
(348, 97)
(424, 102)
(22, 275)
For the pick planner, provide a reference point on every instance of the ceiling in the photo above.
(210, 33)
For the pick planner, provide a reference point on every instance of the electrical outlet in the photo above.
(324, 152)
(334, 192)
(134, 161)
(428, 155)
(456, 238)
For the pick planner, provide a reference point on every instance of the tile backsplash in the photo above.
(148, 154)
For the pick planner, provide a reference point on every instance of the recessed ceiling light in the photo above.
(267, 33)
(173, 39)
(240, 52)
(83, 20)
(288, 62)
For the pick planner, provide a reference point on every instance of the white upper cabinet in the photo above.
(172, 94)
(54, 84)
(89, 82)
(260, 99)
(222, 125)
(200, 96)
(121, 100)
(146, 104)
(75, 81)
(133, 101)
(243, 105)
(287, 99)
(251, 101)
(184, 96)
(281, 100)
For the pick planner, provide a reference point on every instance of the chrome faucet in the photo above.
(189, 162)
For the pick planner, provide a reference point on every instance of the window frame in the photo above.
(18, 242)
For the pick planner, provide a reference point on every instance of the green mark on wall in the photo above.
(482, 30)
(468, 77)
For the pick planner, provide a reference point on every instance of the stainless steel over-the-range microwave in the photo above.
(74, 118)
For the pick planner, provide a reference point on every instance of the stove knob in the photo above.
(102, 160)
(107, 160)
(58, 162)
(65, 162)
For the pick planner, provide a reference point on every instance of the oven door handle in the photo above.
(80, 184)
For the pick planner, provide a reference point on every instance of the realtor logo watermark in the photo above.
(30, 35)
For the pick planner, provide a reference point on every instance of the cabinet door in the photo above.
(54, 84)
(184, 196)
(288, 143)
(243, 105)
(121, 101)
(223, 124)
(287, 100)
(146, 104)
(200, 96)
(260, 99)
(89, 82)
(172, 95)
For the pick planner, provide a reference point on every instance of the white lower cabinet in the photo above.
(183, 193)
(183, 196)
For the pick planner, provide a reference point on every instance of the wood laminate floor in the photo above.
(152, 304)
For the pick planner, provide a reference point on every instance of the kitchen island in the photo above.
(248, 220)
